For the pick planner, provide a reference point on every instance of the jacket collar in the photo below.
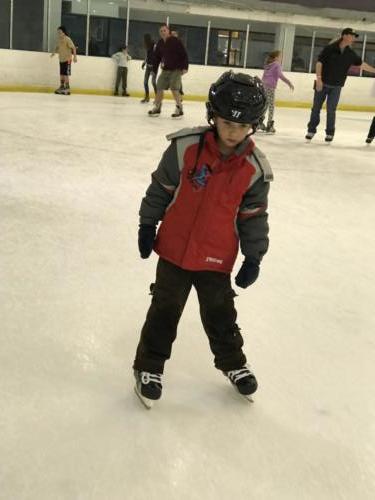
(245, 148)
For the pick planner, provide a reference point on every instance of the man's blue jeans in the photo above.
(332, 94)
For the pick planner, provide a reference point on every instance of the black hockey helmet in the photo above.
(237, 97)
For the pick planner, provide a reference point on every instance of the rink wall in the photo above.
(36, 72)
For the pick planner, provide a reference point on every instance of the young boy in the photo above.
(122, 58)
(210, 191)
(65, 48)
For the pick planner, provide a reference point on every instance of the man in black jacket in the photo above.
(171, 54)
(331, 71)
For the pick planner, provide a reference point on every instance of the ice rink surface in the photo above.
(74, 294)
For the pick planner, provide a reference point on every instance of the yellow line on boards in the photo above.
(199, 98)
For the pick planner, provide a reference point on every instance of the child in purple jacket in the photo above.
(272, 74)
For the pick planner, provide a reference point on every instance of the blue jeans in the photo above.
(332, 94)
(149, 73)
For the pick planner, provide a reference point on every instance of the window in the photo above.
(137, 29)
(117, 35)
(260, 45)
(98, 43)
(28, 24)
(226, 47)
(76, 28)
(4, 24)
(302, 49)
(194, 40)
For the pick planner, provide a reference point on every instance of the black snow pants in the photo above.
(217, 311)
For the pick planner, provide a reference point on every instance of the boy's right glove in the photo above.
(248, 273)
(146, 238)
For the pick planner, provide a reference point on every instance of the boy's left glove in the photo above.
(248, 273)
(146, 238)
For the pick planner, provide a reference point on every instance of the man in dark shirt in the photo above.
(331, 71)
(172, 57)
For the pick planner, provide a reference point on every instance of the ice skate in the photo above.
(261, 127)
(328, 138)
(244, 381)
(309, 136)
(178, 112)
(145, 99)
(155, 111)
(369, 140)
(66, 91)
(60, 90)
(270, 129)
(148, 387)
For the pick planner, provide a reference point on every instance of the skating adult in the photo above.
(170, 53)
(331, 71)
(148, 66)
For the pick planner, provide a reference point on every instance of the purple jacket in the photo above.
(271, 75)
(171, 54)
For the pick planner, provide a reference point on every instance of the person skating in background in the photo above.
(371, 132)
(272, 74)
(210, 192)
(331, 71)
(65, 48)
(148, 65)
(173, 59)
(122, 58)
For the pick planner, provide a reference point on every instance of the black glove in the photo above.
(146, 237)
(248, 272)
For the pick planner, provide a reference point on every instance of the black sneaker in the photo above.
(148, 387)
(369, 140)
(60, 90)
(125, 94)
(178, 112)
(244, 380)
(329, 138)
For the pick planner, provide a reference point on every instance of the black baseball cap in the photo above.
(349, 31)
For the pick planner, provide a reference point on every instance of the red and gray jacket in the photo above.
(208, 204)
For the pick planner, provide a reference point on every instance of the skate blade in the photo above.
(248, 398)
(147, 403)
(154, 116)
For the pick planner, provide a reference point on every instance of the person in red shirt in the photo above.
(210, 192)
(170, 53)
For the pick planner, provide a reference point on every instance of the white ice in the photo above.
(74, 295)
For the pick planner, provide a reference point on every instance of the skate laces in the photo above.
(236, 375)
(147, 378)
